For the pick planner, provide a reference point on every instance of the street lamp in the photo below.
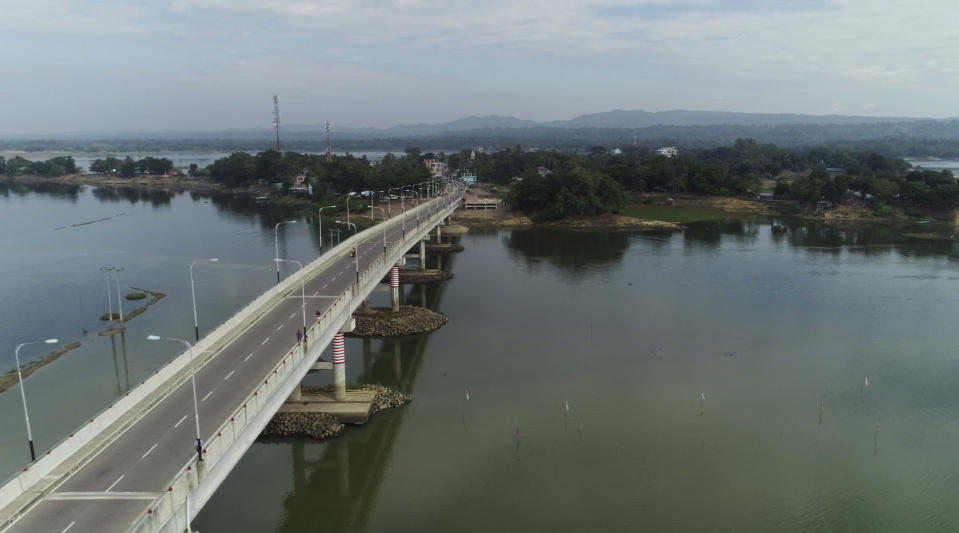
(23, 395)
(372, 207)
(356, 253)
(302, 289)
(389, 212)
(348, 195)
(196, 327)
(196, 410)
(319, 219)
(276, 239)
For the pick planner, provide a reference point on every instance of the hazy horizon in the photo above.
(199, 65)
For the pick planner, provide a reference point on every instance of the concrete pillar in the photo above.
(439, 236)
(339, 367)
(297, 394)
(422, 255)
(439, 261)
(423, 295)
(395, 287)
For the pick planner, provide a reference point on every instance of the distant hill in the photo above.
(895, 136)
(618, 119)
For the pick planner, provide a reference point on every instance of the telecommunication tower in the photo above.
(329, 143)
(276, 121)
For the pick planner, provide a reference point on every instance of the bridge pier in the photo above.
(439, 236)
(395, 288)
(422, 255)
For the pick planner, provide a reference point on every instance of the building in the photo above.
(437, 168)
(668, 151)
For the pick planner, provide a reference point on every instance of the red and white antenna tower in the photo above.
(276, 121)
(329, 143)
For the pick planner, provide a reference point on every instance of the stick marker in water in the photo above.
(566, 402)
(467, 394)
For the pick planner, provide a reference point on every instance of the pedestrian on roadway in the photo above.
(299, 336)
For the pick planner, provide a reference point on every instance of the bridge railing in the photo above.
(169, 510)
(49, 468)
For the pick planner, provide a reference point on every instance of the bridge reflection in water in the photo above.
(332, 485)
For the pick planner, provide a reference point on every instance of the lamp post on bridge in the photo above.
(319, 220)
(196, 410)
(356, 253)
(196, 327)
(302, 289)
(276, 239)
(384, 225)
(389, 212)
(23, 395)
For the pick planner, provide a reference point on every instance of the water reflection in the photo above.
(55, 190)
(123, 385)
(710, 234)
(132, 195)
(575, 253)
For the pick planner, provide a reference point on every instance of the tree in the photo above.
(236, 170)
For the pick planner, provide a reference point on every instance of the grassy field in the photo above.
(673, 214)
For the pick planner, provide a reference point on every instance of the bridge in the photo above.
(133, 467)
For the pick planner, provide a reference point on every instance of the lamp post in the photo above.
(116, 277)
(348, 195)
(302, 289)
(389, 212)
(356, 253)
(276, 239)
(319, 220)
(23, 395)
(196, 327)
(384, 225)
(196, 411)
(106, 276)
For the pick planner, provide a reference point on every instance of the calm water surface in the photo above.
(763, 319)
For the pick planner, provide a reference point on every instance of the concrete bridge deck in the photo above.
(134, 466)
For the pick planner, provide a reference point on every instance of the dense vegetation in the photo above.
(548, 180)
(339, 174)
(128, 167)
(57, 166)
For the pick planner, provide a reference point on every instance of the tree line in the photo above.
(56, 166)
(129, 167)
(559, 184)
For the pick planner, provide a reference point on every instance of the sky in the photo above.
(74, 66)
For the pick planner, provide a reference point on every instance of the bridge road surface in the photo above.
(117, 486)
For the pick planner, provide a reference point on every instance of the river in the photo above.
(713, 379)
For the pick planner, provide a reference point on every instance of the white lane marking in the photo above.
(207, 396)
(293, 315)
(278, 327)
(325, 284)
(180, 422)
(101, 496)
(228, 375)
(265, 341)
(68, 527)
(317, 293)
(247, 358)
(144, 456)
(114, 484)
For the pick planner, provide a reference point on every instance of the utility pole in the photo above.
(329, 143)
(276, 121)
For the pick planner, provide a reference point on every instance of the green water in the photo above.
(766, 319)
